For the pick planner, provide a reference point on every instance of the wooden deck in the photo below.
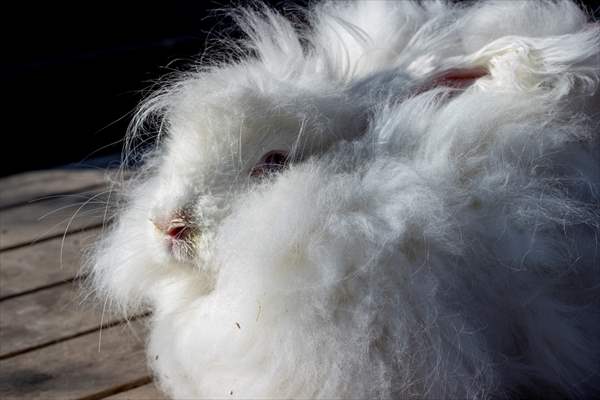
(52, 344)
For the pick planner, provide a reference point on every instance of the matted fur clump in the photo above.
(397, 200)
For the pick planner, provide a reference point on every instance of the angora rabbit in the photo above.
(397, 200)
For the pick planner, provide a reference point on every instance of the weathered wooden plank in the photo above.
(77, 368)
(146, 392)
(46, 263)
(30, 186)
(52, 217)
(46, 316)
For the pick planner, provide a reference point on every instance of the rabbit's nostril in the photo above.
(177, 231)
(177, 228)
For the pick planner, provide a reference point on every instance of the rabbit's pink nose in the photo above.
(178, 232)
(175, 231)
(176, 228)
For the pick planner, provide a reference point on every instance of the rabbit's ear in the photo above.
(403, 85)
(457, 78)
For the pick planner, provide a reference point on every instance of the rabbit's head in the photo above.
(227, 135)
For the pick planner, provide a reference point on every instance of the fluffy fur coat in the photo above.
(433, 232)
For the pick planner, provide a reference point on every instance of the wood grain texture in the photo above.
(31, 186)
(44, 317)
(77, 368)
(146, 392)
(49, 342)
(30, 223)
(46, 263)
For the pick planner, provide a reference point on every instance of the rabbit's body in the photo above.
(434, 234)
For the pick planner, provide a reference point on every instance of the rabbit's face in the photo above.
(228, 144)
(222, 144)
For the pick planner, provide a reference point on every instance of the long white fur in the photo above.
(425, 244)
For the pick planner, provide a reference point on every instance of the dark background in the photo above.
(73, 73)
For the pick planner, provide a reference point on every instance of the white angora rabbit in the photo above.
(395, 200)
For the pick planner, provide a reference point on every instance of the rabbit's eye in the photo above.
(270, 163)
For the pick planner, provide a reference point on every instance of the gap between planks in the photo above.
(52, 218)
(44, 265)
(44, 287)
(51, 237)
(74, 336)
(30, 186)
(20, 203)
(26, 221)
